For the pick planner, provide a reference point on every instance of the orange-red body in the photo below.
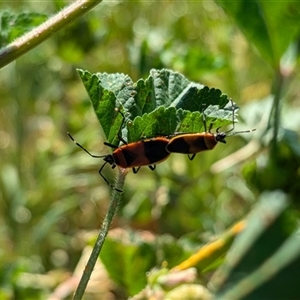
(142, 153)
(192, 143)
(147, 152)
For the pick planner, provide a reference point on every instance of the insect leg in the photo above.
(135, 170)
(191, 157)
(100, 172)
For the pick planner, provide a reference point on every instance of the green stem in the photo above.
(113, 207)
(278, 87)
(39, 34)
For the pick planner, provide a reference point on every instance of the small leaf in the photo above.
(161, 121)
(126, 255)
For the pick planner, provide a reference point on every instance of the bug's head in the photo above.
(220, 137)
(110, 159)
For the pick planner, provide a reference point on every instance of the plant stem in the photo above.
(113, 206)
(278, 86)
(39, 34)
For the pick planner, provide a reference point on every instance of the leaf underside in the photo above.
(164, 103)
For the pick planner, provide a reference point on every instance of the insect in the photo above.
(147, 152)
(192, 143)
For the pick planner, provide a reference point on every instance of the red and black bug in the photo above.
(192, 143)
(147, 152)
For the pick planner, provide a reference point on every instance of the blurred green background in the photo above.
(50, 191)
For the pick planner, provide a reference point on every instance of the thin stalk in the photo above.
(278, 87)
(113, 207)
(39, 34)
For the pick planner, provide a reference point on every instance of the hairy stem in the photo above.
(113, 207)
(39, 34)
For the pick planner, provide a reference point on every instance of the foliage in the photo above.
(265, 31)
(165, 103)
(51, 197)
(14, 25)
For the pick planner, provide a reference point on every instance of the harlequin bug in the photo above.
(192, 143)
(147, 152)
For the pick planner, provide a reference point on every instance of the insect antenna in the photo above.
(107, 158)
(204, 119)
(80, 146)
(233, 124)
(122, 124)
(243, 131)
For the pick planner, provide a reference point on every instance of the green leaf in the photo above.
(264, 256)
(165, 103)
(270, 175)
(103, 89)
(270, 25)
(13, 25)
(127, 254)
